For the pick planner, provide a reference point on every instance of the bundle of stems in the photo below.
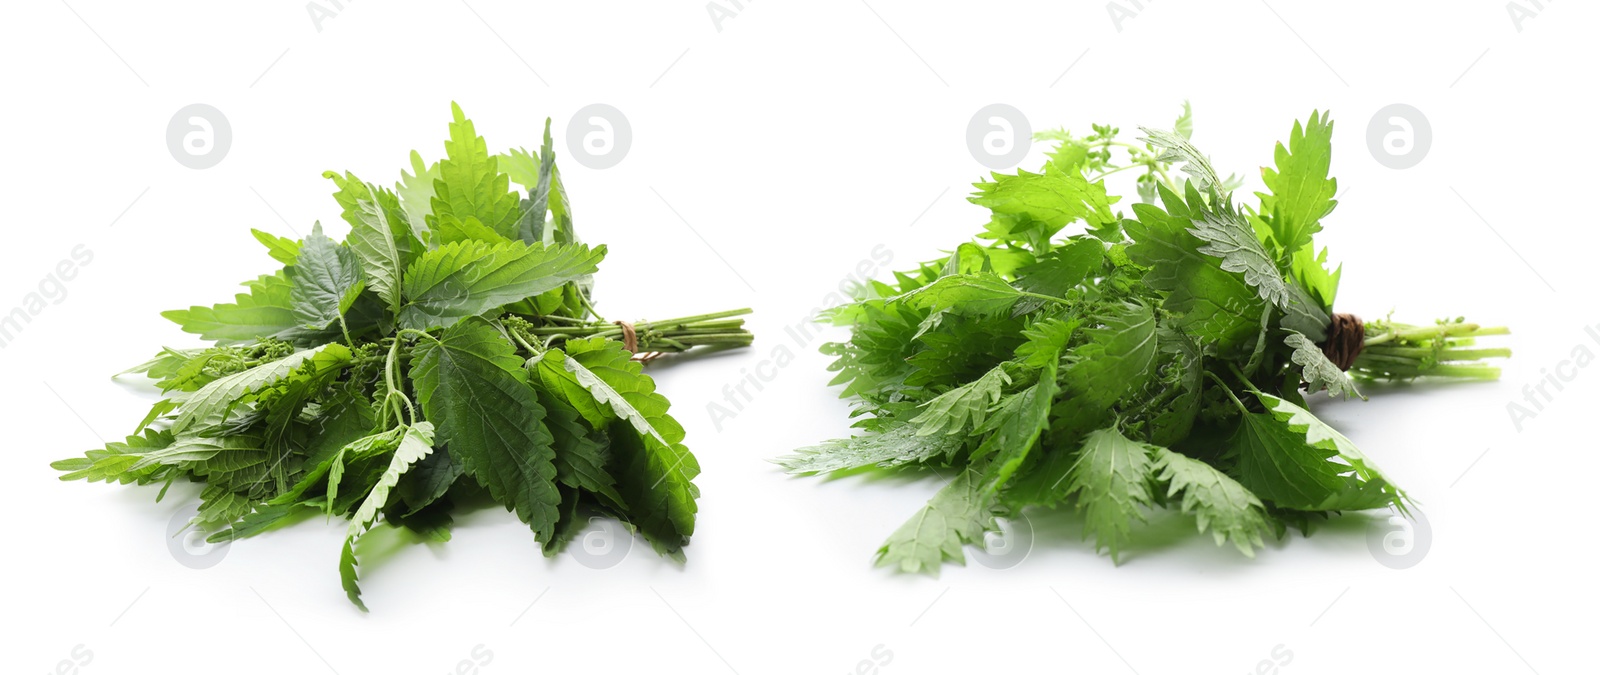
(1397, 351)
(719, 329)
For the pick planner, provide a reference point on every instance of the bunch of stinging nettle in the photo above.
(1159, 359)
(446, 349)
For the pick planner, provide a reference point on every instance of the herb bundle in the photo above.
(1158, 359)
(445, 354)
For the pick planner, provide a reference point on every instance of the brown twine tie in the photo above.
(1346, 334)
(630, 339)
(630, 342)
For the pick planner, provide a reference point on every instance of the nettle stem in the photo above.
(1395, 351)
(667, 335)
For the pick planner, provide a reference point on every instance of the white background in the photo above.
(793, 141)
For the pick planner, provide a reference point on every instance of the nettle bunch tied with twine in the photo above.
(1160, 357)
(445, 355)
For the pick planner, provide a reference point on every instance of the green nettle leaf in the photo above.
(415, 444)
(1047, 339)
(260, 519)
(219, 506)
(540, 177)
(521, 166)
(970, 294)
(1162, 241)
(582, 456)
(215, 399)
(1024, 416)
(1117, 359)
(1067, 156)
(1309, 267)
(1219, 309)
(267, 311)
(1277, 464)
(1063, 269)
(472, 386)
(368, 207)
(902, 444)
(1184, 126)
(1305, 315)
(470, 278)
(1316, 370)
(1301, 191)
(1217, 502)
(198, 449)
(469, 229)
(657, 469)
(1319, 435)
(1228, 236)
(1017, 429)
(1181, 373)
(1044, 202)
(357, 450)
(1212, 304)
(952, 411)
(470, 184)
(344, 429)
(1111, 480)
(281, 249)
(1225, 233)
(553, 193)
(389, 375)
(416, 191)
(429, 480)
(968, 258)
(1044, 483)
(1177, 149)
(959, 514)
(164, 365)
(326, 280)
(114, 462)
(1097, 368)
(379, 234)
